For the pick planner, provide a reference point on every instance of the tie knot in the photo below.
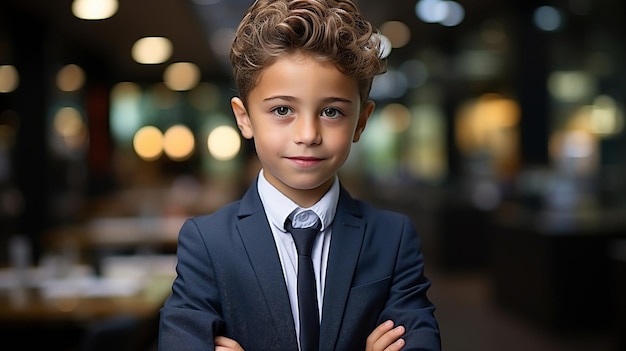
(303, 237)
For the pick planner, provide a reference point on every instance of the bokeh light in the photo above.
(396, 116)
(445, 12)
(68, 124)
(126, 114)
(94, 9)
(152, 50)
(224, 143)
(178, 142)
(397, 32)
(181, 76)
(547, 18)
(70, 78)
(9, 78)
(148, 143)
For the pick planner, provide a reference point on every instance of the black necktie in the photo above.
(307, 291)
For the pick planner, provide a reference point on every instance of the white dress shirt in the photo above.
(278, 208)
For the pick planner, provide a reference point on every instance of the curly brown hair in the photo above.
(329, 30)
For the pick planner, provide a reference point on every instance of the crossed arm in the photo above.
(385, 337)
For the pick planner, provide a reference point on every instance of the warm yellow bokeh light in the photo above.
(178, 143)
(224, 143)
(152, 50)
(126, 89)
(181, 76)
(94, 9)
(68, 122)
(397, 117)
(488, 126)
(607, 118)
(397, 32)
(70, 78)
(69, 125)
(9, 78)
(148, 143)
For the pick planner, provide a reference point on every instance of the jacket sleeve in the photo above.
(408, 303)
(191, 316)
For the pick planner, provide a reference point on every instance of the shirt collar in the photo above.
(278, 206)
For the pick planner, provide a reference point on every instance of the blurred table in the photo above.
(53, 307)
(129, 285)
(118, 233)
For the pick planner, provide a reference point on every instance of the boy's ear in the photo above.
(366, 112)
(242, 117)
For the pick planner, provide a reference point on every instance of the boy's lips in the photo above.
(305, 161)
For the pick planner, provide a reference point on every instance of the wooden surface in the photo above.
(127, 288)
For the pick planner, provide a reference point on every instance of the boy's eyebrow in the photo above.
(292, 98)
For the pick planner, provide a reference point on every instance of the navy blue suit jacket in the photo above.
(230, 282)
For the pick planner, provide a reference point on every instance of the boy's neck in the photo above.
(304, 198)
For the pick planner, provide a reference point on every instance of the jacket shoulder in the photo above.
(225, 214)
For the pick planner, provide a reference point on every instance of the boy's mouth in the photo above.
(305, 161)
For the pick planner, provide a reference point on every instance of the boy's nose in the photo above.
(307, 131)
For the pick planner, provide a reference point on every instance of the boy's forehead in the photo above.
(297, 71)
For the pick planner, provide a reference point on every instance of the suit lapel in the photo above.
(259, 243)
(347, 238)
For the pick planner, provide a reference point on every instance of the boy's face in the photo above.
(304, 116)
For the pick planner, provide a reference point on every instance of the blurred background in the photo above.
(499, 129)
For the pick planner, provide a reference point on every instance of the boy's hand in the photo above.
(223, 343)
(385, 338)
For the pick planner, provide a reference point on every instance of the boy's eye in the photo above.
(331, 112)
(281, 111)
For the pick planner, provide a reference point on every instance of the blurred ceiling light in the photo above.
(397, 32)
(148, 143)
(606, 118)
(494, 111)
(181, 76)
(447, 13)
(68, 122)
(431, 11)
(178, 142)
(455, 14)
(479, 64)
(125, 116)
(397, 117)
(69, 125)
(94, 9)
(9, 78)
(152, 50)
(70, 78)
(224, 143)
(126, 90)
(547, 18)
(577, 144)
(571, 86)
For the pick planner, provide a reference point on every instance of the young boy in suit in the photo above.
(304, 69)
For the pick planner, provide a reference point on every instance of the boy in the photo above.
(304, 70)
